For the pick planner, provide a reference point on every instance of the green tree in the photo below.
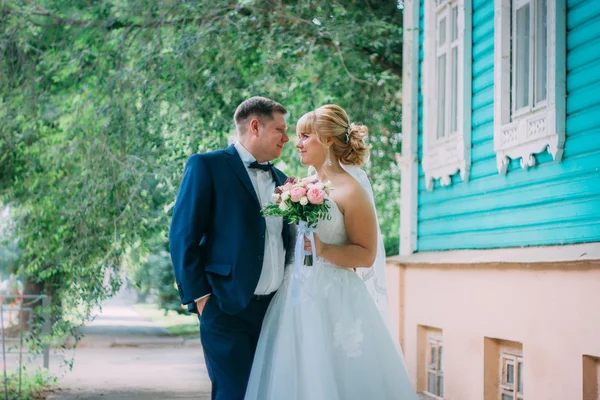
(101, 103)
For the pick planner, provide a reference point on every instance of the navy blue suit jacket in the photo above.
(217, 232)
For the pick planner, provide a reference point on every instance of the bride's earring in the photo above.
(329, 163)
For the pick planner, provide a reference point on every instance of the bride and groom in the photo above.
(328, 340)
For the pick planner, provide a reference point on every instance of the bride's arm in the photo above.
(361, 228)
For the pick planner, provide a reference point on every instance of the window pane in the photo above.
(510, 374)
(520, 374)
(507, 396)
(522, 27)
(541, 49)
(433, 356)
(454, 92)
(440, 357)
(431, 383)
(441, 96)
(454, 23)
(440, 386)
(442, 32)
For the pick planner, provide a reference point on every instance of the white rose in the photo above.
(276, 197)
(285, 195)
(283, 206)
(304, 200)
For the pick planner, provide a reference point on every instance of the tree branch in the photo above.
(328, 40)
(114, 24)
(394, 68)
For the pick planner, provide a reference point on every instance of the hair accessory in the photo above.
(348, 130)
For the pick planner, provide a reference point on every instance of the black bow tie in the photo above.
(264, 167)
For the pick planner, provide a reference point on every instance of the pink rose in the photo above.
(287, 187)
(315, 196)
(297, 193)
(307, 181)
(317, 185)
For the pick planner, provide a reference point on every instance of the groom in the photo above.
(228, 259)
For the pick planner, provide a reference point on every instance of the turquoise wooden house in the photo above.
(497, 286)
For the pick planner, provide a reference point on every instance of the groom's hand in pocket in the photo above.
(201, 303)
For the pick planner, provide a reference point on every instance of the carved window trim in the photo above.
(449, 154)
(520, 134)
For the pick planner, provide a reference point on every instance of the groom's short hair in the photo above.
(258, 106)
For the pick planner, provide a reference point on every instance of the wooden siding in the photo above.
(552, 203)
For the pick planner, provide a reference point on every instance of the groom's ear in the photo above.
(253, 126)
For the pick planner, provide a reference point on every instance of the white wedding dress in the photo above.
(323, 337)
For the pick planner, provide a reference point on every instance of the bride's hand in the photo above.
(318, 244)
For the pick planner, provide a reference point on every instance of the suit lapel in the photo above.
(236, 164)
(278, 177)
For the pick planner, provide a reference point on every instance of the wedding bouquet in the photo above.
(301, 201)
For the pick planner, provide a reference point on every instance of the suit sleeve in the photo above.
(188, 227)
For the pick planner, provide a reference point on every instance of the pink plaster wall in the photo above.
(554, 313)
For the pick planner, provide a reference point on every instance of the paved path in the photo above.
(125, 356)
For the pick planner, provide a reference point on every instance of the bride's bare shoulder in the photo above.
(347, 192)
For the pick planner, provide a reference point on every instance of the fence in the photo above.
(12, 309)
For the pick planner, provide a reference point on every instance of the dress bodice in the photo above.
(332, 230)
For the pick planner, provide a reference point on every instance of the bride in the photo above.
(328, 339)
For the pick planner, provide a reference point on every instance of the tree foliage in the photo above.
(101, 103)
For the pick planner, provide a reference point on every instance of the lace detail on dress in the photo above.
(349, 337)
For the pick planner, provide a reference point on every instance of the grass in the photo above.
(177, 324)
(34, 384)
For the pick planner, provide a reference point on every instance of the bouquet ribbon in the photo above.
(299, 253)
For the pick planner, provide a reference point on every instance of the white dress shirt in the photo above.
(271, 275)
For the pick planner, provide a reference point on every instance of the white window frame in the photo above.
(536, 128)
(504, 387)
(450, 154)
(434, 342)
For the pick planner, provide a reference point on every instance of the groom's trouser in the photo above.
(229, 343)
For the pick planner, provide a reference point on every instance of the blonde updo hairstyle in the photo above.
(348, 139)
